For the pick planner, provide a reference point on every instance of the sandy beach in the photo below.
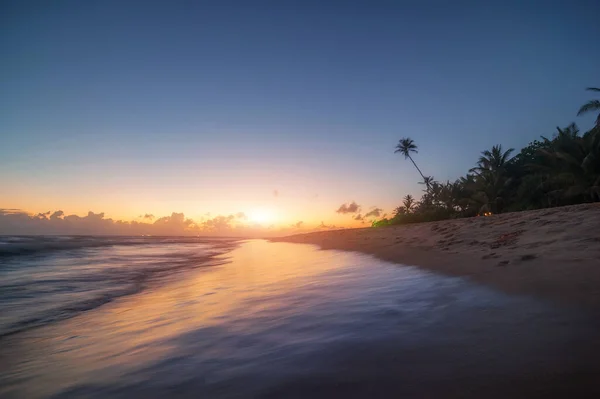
(551, 253)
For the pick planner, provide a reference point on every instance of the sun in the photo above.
(260, 216)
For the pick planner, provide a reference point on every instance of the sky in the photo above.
(281, 110)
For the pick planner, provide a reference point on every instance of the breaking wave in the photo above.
(46, 279)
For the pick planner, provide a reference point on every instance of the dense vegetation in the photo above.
(563, 170)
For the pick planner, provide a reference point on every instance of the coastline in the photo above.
(283, 320)
(549, 253)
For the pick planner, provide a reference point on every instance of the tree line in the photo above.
(557, 171)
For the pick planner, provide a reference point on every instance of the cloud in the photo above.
(43, 215)
(375, 212)
(358, 217)
(219, 223)
(177, 223)
(352, 207)
(57, 215)
(323, 226)
(10, 211)
(95, 216)
(275, 193)
(148, 216)
(18, 222)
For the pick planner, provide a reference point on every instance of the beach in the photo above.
(549, 253)
(499, 306)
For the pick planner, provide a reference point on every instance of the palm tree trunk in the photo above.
(421, 173)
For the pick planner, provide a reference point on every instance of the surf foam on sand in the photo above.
(553, 253)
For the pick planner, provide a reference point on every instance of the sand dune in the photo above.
(553, 253)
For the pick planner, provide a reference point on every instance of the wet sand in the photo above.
(550, 253)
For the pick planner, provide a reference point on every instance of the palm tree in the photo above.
(571, 164)
(428, 181)
(490, 177)
(591, 106)
(400, 211)
(408, 201)
(494, 160)
(406, 146)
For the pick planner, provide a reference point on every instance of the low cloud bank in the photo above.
(18, 222)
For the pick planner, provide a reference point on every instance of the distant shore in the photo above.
(551, 253)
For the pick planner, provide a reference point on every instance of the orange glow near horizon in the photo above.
(262, 216)
(266, 219)
(269, 200)
(265, 212)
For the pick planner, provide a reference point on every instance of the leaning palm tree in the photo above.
(591, 106)
(406, 146)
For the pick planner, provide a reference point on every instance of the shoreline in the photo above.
(274, 308)
(549, 253)
(145, 280)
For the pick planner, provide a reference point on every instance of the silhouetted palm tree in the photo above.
(561, 170)
(408, 202)
(572, 163)
(493, 161)
(428, 181)
(400, 211)
(406, 146)
(591, 106)
(490, 176)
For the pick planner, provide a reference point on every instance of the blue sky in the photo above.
(133, 107)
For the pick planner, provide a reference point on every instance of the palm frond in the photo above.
(504, 158)
(593, 105)
(405, 146)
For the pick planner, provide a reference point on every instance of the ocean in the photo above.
(46, 279)
(151, 317)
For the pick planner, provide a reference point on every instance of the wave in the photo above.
(27, 245)
(72, 309)
(38, 290)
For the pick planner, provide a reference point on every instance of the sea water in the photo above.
(195, 317)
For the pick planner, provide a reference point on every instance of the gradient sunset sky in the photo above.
(277, 108)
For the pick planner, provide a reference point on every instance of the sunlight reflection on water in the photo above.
(287, 319)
